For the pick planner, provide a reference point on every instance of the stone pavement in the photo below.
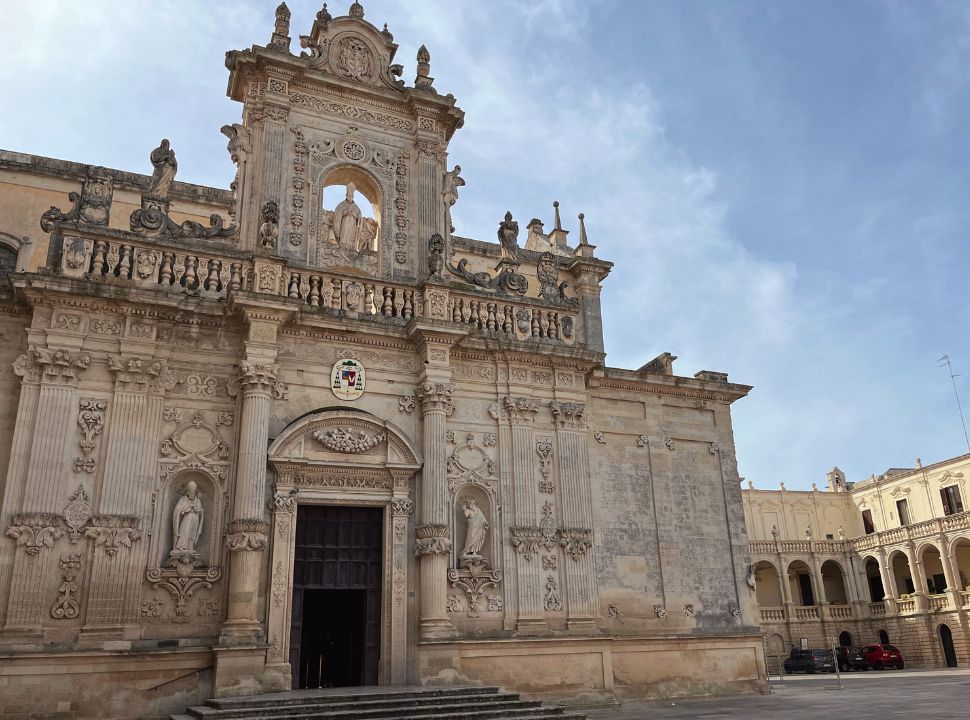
(927, 694)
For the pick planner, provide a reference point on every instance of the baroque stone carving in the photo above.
(90, 419)
(164, 168)
(353, 58)
(507, 280)
(284, 502)
(435, 397)
(138, 374)
(599, 437)
(34, 531)
(77, 513)
(549, 562)
(642, 441)
(246, 534)
(544, 451)
(113, 532)
(406, 403)
(576, 542)
(432, 540)
(55, 367)
(494, 603)
(91, 207)
(67, 606)
(520, 410)
(402, 506)
(269, 228)
(613, 610)
(660, 611)
(552, 601)
(689, 610)
(734, 610)
(181, 583)
(345, 440)
(669, 443)
(526, 541)
(469, 464)
(473, 577)
(569, 416)
(508, 237)
(547, 526)
(452, 181)
(188, 518)
(476, 528)
(436, 256)
(256, 377)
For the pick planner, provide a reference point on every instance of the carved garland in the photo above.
(299, 183)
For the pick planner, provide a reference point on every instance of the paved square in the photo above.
(929, 694)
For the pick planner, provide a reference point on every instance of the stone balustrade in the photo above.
(877, 609)
(169, 265)
(965, 596)
(937, 603)
(840, 612)
(806, 612)
(906, 606)
(772, 614)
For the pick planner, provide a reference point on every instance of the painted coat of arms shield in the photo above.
(348, 379)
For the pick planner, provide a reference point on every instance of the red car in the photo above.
(883, 656)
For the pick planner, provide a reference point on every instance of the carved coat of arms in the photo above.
(348, 379)
(354, 58)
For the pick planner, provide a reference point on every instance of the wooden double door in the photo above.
(337, 577)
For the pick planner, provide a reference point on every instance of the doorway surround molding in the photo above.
(342, 457)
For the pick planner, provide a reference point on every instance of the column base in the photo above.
(23, 639)
(528, 627)
(581, 625)
(241, 632)
(277, 677)
(437, 630)
(239, 670)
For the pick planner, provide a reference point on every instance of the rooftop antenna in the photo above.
(945, 360)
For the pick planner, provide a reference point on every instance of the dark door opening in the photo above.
(845, 638)
(946, 639)
(876, 591)
(335, 632)
(805, 585)
(883, 637)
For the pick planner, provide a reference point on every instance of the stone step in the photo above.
(531, 713)
(344, 695)
(371, 704)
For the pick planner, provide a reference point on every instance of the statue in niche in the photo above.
(476, 527)
(508, 236)
(366, 233)
(345, 222)
(163, 160)
(187, 519)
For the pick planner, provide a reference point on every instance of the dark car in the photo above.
(883, 656)
(810, 661)
(851, 658)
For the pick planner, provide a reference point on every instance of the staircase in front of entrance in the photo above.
(423, 703)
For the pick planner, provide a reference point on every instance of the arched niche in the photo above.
(475, 497)
(210, 495)
(369, 218)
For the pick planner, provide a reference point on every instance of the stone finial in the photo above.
(808, 532)
(280, 41)
(387, 34)
(555, 208)
(324, 16)
(424, 80)
(774, 531)
(919, 463)
(583, 240)
(356, 11)
(841, 533)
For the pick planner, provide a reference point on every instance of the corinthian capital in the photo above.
(571, 416)
(140, 374)
(53, 367)
(246, 534)
(521, 410)
(258, 378)
(435, 397)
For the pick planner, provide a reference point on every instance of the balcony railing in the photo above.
(906, 607)
(840, 612)
(806, 612)
(965, 596)
(214, 272)
(877, 609)
(938, 602)
(772, 614)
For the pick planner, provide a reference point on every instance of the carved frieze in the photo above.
(246, 534)
(330, 479)
(67, 606)
(568, 415)
(354, 113)
(345, 440)
(432, 540)
(279, 584)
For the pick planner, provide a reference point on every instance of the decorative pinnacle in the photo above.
(387, 34)
(324, 15)
(423, 55)
(583, 240)
(555, 205)
(356, 11)
(282, 12)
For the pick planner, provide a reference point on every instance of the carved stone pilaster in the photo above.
(435, 397)
(113, 532)
(569, 416)
(576, 541)
(521, 410)
(35, 531)
(432, 540)
(139, 375)
(246, 534)
(255, 378)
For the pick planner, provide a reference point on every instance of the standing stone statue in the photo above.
(346, 220)
(476, 529)
(508, 236)
(187, 519)
(452, 181)
(163, 160)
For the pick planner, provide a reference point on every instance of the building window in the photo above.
(8, 260)
(951, 500)
(867, 522)
(902, 509)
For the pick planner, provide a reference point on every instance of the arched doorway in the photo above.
(899, 566)
(874, 579)
(946, 641)
(845, 639)
(801, 586)
(833, 583)
(883, 637)
(933, 569)
(341, 515)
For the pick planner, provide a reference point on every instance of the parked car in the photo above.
(851, 658)
(883, 656)
(810, 661)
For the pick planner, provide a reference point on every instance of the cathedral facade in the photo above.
(277, 436)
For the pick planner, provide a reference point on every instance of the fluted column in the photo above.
(919, 579)
(246, 536)
(433, 535)
(38, 524)
(888, 583)
(576, 535)
(119, 559)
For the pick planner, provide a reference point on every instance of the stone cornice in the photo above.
(631, 381)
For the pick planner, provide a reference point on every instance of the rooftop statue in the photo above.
(508, 236)
(163, 160)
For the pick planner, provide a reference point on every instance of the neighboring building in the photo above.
(258, 440)
(888, 557)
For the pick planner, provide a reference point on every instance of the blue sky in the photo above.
(784, 187)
